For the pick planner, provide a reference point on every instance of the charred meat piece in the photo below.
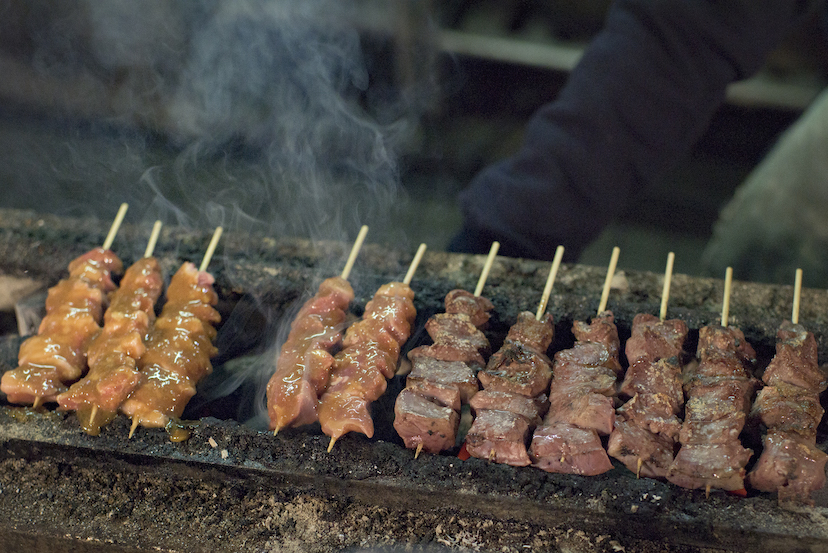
(790, 463)
(719, 392)
(114, 353)
(179, 348)
(514, 383)
(423, 416)
(371, 350)
(56, 357)
(305, 359)
(581, 402)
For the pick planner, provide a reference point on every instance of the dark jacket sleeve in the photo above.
(641, 96)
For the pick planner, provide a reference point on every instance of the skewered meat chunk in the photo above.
(719, 392)
(179, 348)
(305, 360)
(420, 421)
(647, 425)
(581, 402)
(514, 383)
(56, 356)
(114, 352)
(370, 353)
(423, 418)
(790, 463)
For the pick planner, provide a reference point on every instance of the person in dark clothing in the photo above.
(642, 95)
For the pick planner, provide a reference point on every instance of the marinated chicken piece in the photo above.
(114, 352)
(56, 356)
(305, 359)
(565, 448)
(370, 353)
(424, 424)
(178, 350)
(653, 339)
(477, 308)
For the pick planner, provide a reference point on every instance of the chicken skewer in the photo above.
(113, 354)
(178, 349)
(442, 379)
(647, 425)
(303, 366)
(718, 395)
(790, 464)
(370, 353)
(513, 401)
(56, 357)
(582, 396)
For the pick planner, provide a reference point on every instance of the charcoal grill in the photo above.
(232, 488)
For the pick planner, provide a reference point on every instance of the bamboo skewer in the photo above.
(797, 296)
(486, 268)
(665, 292)
(728, 283)
(616, 251)
(211, 248)
(349, 264)
(550, 281)
(116, 224)
(412, 268)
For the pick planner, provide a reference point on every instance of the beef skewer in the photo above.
(513, 401)
(113, 354)
(582, 396)
(370, 353)
(303, 366)
(647, 426)
(718, 394)
(178, 349)
(56, 356)
(789, 406)
(442, 378)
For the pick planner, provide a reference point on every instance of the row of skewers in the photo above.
(571, 414)
(101, 350)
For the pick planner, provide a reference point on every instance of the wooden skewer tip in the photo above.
(486, 268)
(211, 248)
(116, 224)
(331, 444)
(797, 298)
(550, 282)
(665, 291)
(134, 426)
(728, 283)
(616, 251)
(419, 450)
(414, 264)
(349, 264)
(156, 231)
(37, 402)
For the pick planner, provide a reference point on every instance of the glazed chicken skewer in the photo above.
(514, 382)
(113, 354)
(178, 349)
(369, 356)
(304, 364)
(442, 378)
(56, 357)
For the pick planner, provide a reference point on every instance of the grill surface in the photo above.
(64, 490)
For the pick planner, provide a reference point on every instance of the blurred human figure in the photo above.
(639, 99)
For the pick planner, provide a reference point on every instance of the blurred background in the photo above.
(311, 118)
